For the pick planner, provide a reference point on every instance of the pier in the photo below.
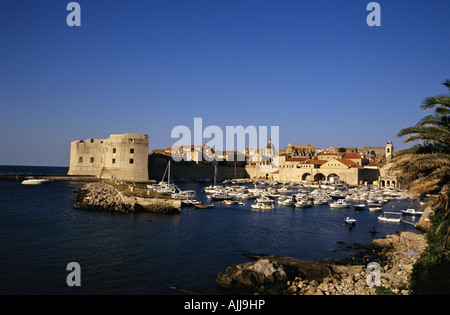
(21, 177)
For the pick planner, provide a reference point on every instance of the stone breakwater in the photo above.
(101, 196)
(268, 274)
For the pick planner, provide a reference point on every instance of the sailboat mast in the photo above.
(168, 176)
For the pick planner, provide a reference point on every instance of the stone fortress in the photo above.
(126, 157)
(121, 156)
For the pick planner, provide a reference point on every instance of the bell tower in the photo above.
(389, 150)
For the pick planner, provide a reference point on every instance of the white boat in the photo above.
(190, 202)
(375, 209)
(264, 200)
(220, 196)
(247, 196)
(287, 202)
(349, 220)
(359, 207)
(34, 181)
(412, 212)
(303, 204)
(320, 201)
(384, 218)
(263, 206)
(339, 204)
(185, 195)
(230, 202)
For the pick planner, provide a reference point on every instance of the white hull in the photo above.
(393, 220)
(339, 206)
(261, 206)
(34, 181)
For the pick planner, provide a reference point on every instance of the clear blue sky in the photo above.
(314, 68)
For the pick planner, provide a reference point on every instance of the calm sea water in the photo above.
(41, 232)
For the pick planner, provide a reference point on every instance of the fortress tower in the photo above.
(123, 156)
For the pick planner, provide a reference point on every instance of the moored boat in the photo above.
(339, 204)
(384, 218)
(263, 206)
(204, 206)
(34, 181)
(349, 220)
(304, 204)
(411, 212)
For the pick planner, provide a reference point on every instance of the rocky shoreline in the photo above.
(278, 275)
(102, 196)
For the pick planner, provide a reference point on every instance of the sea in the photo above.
(155, 254)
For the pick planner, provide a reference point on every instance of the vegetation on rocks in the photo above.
(425, 169)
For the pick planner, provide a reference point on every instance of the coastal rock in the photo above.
(253, 274)
(424, 222)
(101, 196)
(396, 255)
(270, 271)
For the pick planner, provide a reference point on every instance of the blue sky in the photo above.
(314, 68)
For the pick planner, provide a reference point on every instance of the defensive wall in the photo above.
(121, 156)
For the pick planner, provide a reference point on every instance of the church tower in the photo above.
(389, 150)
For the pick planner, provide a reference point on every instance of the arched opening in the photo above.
(333, 177)
(319, 177)
(306, 176)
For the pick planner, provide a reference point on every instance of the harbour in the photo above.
(147, 253)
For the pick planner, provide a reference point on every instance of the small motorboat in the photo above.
(263, 206)
(230, 202)
(359, 207)
(264, 199)
(204, 206)
(412, 212)
(349, 220)
(304, 204)
(339, 204)
(375, 209)
(34, 181)
(320, 201)
(287, 202)
(384, 218)
(190, 202)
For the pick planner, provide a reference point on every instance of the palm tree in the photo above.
(425, 166)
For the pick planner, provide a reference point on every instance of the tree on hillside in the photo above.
(425, 166)
(425, 171)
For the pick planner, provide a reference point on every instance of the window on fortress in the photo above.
(131, 161)
(114, 150)
(131, 151)
(92, 160)
(113, 161)
(80, 160)
(92, 140)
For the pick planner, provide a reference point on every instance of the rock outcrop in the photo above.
(101, 196)
(395, 256)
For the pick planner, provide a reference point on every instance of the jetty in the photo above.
(104, 196)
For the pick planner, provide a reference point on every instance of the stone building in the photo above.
(351, 167)
(300, 150)
(121, 156)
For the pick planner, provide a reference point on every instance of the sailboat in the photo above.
(214, 188)
(163, 187)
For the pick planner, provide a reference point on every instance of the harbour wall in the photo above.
(190, 170)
